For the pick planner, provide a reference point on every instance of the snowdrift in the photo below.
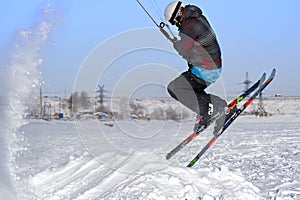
(139, 176)
(247, 163)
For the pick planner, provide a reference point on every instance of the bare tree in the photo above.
(74, 102)
(137, 108)
(84, 100)
(173, 114)
(124, 108)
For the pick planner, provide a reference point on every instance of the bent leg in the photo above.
(184, 88)
(189, 90)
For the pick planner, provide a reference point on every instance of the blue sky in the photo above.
(254, 36)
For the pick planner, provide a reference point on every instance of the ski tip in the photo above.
(272, 75)
(263, 76)
(274, 71)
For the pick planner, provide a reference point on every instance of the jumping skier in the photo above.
(199, 46)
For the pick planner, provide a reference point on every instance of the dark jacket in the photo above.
(198, 43)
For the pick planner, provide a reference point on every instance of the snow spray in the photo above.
(22, 82)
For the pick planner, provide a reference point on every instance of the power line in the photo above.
(101, 96)
(247, 82)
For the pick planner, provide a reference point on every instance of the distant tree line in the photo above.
(79, 101)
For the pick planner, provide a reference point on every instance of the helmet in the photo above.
(172, 10)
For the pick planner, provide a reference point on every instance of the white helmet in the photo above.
(172, 10)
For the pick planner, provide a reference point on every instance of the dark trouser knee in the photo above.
(171, 90)
(189, 90)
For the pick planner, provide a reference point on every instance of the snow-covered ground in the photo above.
(257, 158)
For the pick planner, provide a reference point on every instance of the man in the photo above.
(199, 46)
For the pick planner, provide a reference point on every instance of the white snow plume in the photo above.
(5, 183)
(22, 81)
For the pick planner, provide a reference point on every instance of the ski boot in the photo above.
(212, 112)
(223, 119)
(201, 123)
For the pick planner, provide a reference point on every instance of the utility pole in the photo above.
(101, 96)
(247, 82)
(261, 110)
(41, 102)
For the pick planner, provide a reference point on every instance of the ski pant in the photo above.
(189, 90)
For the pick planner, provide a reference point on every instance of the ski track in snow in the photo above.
(261, 162)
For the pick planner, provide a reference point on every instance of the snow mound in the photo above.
(139, 176)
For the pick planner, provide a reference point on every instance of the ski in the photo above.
(231, 105)
(219, 132)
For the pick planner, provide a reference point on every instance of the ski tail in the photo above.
(232, 104)
(219, 132)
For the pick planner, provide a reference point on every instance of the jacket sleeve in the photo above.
(187, 39)
(184, 45)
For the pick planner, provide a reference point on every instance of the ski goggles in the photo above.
(176, 17)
